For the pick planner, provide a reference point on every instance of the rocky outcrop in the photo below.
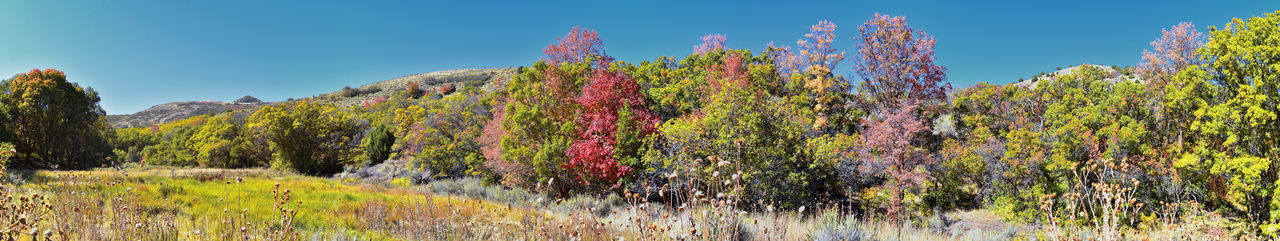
(1031, 83)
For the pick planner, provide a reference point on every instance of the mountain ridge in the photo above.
(487, 78)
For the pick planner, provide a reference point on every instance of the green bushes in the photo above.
(310, 138)
(207, 141)
(222, 141)
(377, 144)
(129, 143)
(539, 123)
(171, 147)
(442, 135)
(1234, 94)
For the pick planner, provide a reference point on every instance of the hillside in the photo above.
(163, 113)
(1118, 75)
(167, 112)
(431, 82)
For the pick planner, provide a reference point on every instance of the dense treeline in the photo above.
(1193, 127)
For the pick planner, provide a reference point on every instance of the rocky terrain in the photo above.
(1118, 76)
(430, 82)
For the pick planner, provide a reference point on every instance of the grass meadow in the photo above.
(260, 204)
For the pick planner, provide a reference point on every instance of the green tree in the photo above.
(742, 126)
(377, 144)
(443, 135)
(53, 123)
(1236, 125)
(540, 118)
(222, 141)
(310, 138)
(172, 140)
(129, 143)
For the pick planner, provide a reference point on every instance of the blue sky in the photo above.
(141, 53)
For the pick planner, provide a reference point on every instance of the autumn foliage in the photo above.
(578, 46)
(1174, 51)
(609, 101)
(776, 129)
(415, 91)
(815, 50)
(892, 149)
(895, 62)
(710, 42)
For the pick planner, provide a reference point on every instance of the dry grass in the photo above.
(257, 204)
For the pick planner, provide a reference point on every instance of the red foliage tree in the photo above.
(579, 45)
(731, 73)
(1173, 51)
(896, 62)
(374, 101)
(710, 43)
(446, 89)
(414, 90)
(603, 99)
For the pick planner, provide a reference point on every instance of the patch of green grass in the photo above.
(210, 198)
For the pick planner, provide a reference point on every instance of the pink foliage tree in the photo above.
(579, 45)
(1173, 51)
(710, 43)
(890, 150)
(896, 62)
(375, 101)
(603, 99)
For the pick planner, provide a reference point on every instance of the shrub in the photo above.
(377, 144)
(221, 141)
(833, 226)
(6, 152)
(446, 89)
(414, 90)
(475, 188)
(347, 91)
(374, 101)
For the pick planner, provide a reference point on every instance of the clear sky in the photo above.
(141, 53)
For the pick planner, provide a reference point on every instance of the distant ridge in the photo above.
(431, 82)
(1034, 81)
(168, 112)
